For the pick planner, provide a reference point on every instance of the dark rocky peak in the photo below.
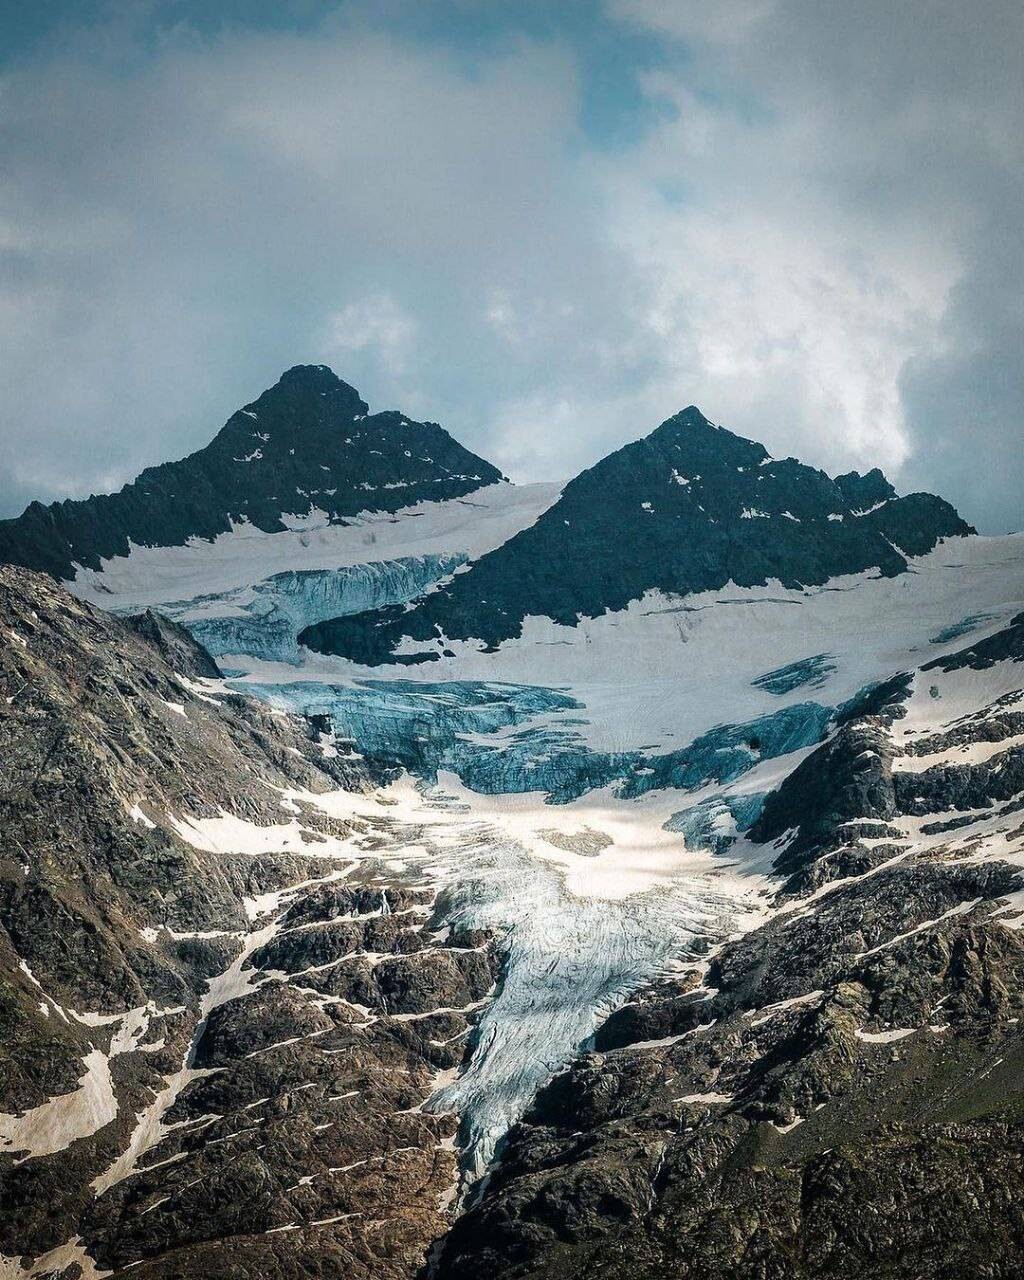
(865, 491)
(305, 399)
(914, 523)
(689, 507)
(313, 378)
(683, 448)
(308, 442)
(691, 434)
(718, 474)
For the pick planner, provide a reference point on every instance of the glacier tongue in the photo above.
(588, 901)
(569, 961)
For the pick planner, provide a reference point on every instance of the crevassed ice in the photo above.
(504, 738)
(569, 962)
(263, 620)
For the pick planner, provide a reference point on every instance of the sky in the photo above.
(548, 227)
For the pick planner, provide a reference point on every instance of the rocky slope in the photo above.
(688, 508)
(221, 1004)
(309, 442)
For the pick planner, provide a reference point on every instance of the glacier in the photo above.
(509, 739)
(264, 619)
(568, 962)
(581, 924)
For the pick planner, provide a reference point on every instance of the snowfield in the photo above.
(475, 524)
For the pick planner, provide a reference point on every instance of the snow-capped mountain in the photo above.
(308, 444)
(691, 507)
(609, 864)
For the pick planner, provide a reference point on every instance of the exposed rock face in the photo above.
(220, 1013)
(865, 491)
(177, 646)
(688, 508)
(307, 442)
(841, 1096)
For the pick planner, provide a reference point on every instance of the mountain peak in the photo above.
(686, 419)
(308, 442)
(314, 377)
(309, 373)
(691, 507)
(691, 439)
(865, 491)
(691, 414)
(309, 391)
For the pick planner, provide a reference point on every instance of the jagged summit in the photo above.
(691, 437)
(865, 491)
(305, 385)
(308, 442)
(319, 377)
(689, 507)
(692, 431)
(684, 419)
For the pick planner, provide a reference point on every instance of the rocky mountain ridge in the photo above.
(172, 1098)
(309, 442)
(688, 508)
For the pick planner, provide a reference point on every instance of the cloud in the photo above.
(849, 241)
(790, 313)
(726, 22)
(228, 207)
(375, 323)
(814, 237)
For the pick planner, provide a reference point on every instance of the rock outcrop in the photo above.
(221, 1013)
